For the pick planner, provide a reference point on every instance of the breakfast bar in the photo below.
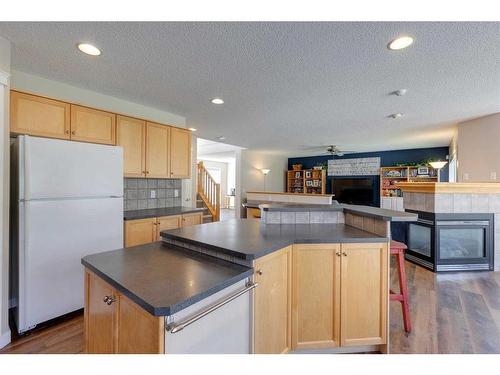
(244, 286)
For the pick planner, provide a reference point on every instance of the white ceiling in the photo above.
(287, 86)
(207, 148)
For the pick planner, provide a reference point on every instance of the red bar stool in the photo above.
(398, 249)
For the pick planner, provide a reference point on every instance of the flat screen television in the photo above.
(354, 190)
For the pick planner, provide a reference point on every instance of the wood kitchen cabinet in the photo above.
(364, 294)
(99, 316)
(115, 324)
(39, 116)
(168, 223)
(140, 232)
(316, 296)
(92, 125)
(272, 302)
(143, 231)
(192, 219)
(150, 150)
(157, 150)
(340, 295)
(131, 135)
(180, 153)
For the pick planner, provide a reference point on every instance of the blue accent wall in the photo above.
(387, 159)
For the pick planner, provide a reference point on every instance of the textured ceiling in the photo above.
(287, 86)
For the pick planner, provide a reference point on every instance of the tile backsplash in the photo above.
(138, 193)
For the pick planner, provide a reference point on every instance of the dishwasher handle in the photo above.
(177, 327)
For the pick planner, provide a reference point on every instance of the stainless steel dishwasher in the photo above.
(219, 324)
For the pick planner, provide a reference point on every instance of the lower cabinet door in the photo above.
(99, 316)
(364, 294)
(272, 302)
(140, 232)
(316, 296)
(168, 223)
(139, 332)
(192, 219)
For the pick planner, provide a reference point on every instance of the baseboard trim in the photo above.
(5, 339)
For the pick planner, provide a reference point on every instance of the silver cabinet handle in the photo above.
(109, 300)
(176, 327)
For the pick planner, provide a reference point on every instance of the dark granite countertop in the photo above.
(379, 213)
(369, 211)
(249, 239)
(157, 212)
(164, 279)
(295, 207)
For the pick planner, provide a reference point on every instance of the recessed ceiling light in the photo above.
(395, 115)
(400, 92)
(89, 49)
(192, 129)
(217, 101)
(400, 43)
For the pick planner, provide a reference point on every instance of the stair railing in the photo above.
(209, 191)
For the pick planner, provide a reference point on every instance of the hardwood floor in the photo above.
(451, 313)
(62, 336)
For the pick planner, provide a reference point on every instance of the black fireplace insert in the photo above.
(451, 242)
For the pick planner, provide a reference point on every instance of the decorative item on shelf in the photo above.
(393, 173)
(423, 171)
(296, 167)
(298, 174)
(308, 174)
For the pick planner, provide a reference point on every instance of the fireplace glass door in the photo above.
(463, 243)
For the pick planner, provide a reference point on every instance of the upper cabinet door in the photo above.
(34, 115)
(92, 125)
(364, 294)
(157, 150)
(180, 153)
(131, 135)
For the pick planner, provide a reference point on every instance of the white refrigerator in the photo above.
(67, 202)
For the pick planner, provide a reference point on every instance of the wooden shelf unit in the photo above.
(306, 181)
(390, 175)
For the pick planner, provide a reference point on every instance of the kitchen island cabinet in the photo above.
(272, 302)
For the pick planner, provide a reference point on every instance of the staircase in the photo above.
(208, 195)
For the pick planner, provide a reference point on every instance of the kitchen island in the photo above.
(242, 286)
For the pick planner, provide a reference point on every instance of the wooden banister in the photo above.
(209, 191)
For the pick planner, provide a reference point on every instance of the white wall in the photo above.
(4, 192)
(251, 178)
(62, 91)
(478, 151)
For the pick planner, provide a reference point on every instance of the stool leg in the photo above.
(404, 291)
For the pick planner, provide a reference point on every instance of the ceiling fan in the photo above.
(332, 150)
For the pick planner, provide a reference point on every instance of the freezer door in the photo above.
(53, 168)
(55, 236)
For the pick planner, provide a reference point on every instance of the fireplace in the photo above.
(451, 242)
